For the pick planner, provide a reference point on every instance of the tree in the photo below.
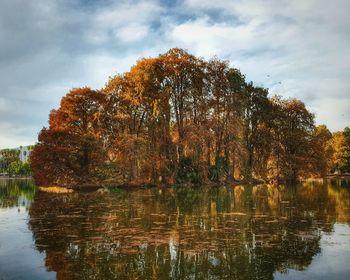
(346, 156)
(182, 79)
(255, 114)
(322, 150)
(178, 118)
(340, 143)
(138, 112)
(8, 157)
(222, 117)
(293, 127)
(70, 151)
(19, 167)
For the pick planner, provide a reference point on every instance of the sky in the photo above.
(297, 49)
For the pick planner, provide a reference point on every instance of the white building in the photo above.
(24, 152)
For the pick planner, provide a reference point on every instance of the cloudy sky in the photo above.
(298, 48)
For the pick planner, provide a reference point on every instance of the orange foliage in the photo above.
(173, 118)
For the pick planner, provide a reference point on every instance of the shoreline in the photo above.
(16, 177)
(342, 177)
(132, 187)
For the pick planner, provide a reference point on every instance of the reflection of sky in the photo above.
(198, 231)
(333, 261)
(173, 248)
(18, 258)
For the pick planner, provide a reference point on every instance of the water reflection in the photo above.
(15, 193)
(18, 258)
(184, 233)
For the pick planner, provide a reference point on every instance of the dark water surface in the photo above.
(259, 232)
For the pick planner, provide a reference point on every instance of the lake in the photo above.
(242, 232)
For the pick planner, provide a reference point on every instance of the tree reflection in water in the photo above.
(15, 193)
(184, 233)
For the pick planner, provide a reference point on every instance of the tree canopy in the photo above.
(177, 118)
(11, 164)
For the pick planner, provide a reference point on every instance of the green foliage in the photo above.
(120, 193)
(11, 164)
(11, 190)
(19, 168)
(220, 170)
(186, 198)
(7, 158)
(188, 171)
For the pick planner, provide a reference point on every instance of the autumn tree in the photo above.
(322, 151)
(177, 118)
(183, 81)
(293, 127)
(70, 151)
(340, 144)
(346, 156)
(225, 87)
(138, 111)
(255, 115)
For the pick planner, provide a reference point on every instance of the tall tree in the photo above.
(340, 143)
(293, 135)
(255, 114)
(70, 150)
(322, 151)
(346, 167)
(177, 118)
(182, 79)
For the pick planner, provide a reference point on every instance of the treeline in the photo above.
(11, 164)
(177, 118)
(335, 150)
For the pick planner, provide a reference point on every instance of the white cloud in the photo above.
(132, 33)
(48, 47)
(128, 21)
(99, 66)
(13, 136)
(302, 44)
(4, 105)
(209, 39)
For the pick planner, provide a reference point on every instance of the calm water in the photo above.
(259, 232)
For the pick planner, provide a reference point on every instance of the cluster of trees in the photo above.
(334, 150)
(11, 164)
(177, 118)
